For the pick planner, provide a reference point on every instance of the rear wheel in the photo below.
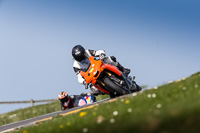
(114, 88)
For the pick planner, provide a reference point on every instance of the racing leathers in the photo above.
(69, 102)
(73, 101)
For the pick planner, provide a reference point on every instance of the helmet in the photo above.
(78, 52)
(63, 95)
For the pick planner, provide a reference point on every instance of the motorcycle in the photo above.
(107, 78)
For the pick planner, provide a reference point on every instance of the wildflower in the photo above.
(25, 131)
(141, 92)
(129, 110)
(153, 95)
(61, 126)
(100, 119)
(85, 130)
(134, 94)
(13, 116)
(183, 78)
(149, 95)
(156, 87)
(127, 101)
(115, 113)
(159, 105)
(82, 114)
(170, 81)
(122, 100)
(112, 120)
(68, 124)
(148, 88)
(184, 88)
(196, 86)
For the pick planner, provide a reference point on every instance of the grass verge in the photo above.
(174, 107)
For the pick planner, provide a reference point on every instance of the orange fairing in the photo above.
(95, 68)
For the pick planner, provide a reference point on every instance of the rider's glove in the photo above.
(102, 56)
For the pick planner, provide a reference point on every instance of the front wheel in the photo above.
(114, 88)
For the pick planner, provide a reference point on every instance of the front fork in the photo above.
(125, 81)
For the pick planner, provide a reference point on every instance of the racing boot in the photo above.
(126, 71)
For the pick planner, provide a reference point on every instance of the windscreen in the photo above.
(85, 64)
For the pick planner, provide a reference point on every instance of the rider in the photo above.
(79, 53)
(71, 101)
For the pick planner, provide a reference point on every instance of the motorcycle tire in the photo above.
(114, 88)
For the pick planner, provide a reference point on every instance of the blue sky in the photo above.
(158, 40)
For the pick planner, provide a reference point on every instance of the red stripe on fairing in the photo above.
(101, 89)
(112, 68)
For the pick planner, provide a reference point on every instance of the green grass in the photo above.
(34, 111)
(174, 107)
(29, 112)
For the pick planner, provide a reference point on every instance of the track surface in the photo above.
(31, 121)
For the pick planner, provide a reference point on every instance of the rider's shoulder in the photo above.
(76, 64)
(90, 52)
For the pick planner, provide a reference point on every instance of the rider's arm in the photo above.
(81, 80)
(96, 53)
(77, 70)
(100, 52)
(90, 52)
